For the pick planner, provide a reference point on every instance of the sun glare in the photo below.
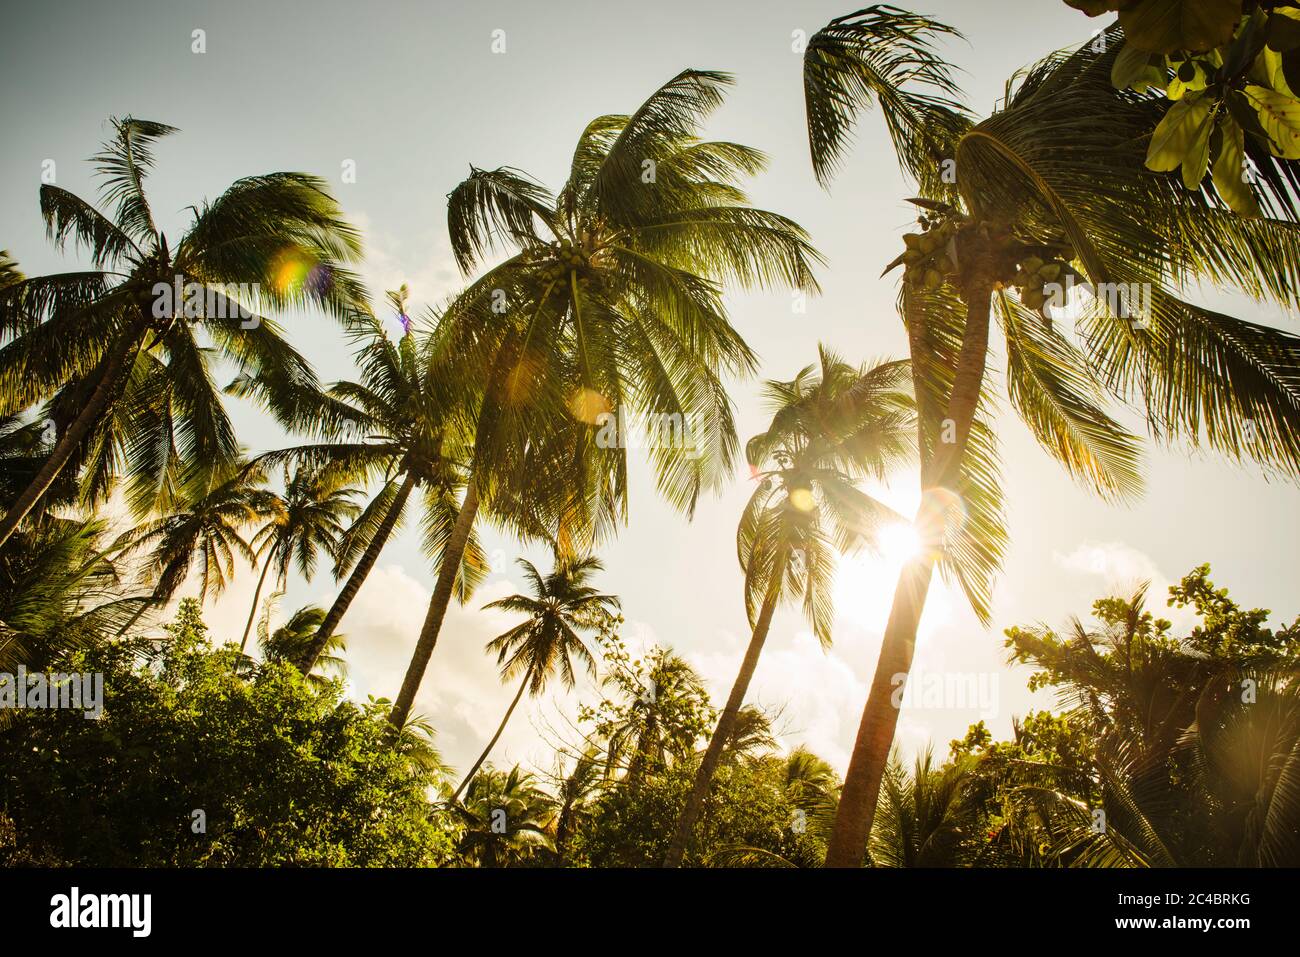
(899, 542)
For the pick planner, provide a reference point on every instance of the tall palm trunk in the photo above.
(523, 686)
(847, 846)
(726, 721)
(358, 576)
(257, 593)
(452, 556)
(92, 412)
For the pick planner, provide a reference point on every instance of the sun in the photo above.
(899, 543)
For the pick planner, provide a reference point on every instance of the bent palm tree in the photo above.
(396, 425)
(561, 605)
(610, 304)
(831, 426)
(271, 241)
(1050, 189)
(309, 517)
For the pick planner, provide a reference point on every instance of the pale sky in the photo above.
(413, 93)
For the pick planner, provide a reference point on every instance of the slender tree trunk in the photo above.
(358, 577)
(91, 413)
(256, 594)
(491, 744)
(451, 559)
(726, 723)
(857, 807)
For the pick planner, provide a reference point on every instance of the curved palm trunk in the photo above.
(847, 846)
(452, 556)
(357, 578)
(726, 723)
(491, 744)
(91, 413)
(252, 612)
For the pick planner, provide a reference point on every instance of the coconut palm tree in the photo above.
(504, 815)
(832, 425)
(217, 507)
(927, 818)
(286, 642)
(61, 586)
(268, 242)
(608, 304)
(395, 426)
(1051, 189)
(309, 516)
(664, 712)
(575, 796)
(561, 606)
(812, 787)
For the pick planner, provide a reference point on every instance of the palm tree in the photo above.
(832, 425)
(394, 425)
(664, 713)
(61, 587)
(216, 507)
(561, 605)
(271, 241)
(309, 516)
(609, 304)
(287, 642)
(1051, 188)
(811, 785)
(504, 817)
(927, 818)
(575, 795)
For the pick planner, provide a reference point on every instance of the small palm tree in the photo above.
(832, 425)
(662, 717)
(310, 516)
(561, 605)
(812, 787)
(273, 241)
(610, 302)
(927, 818)
(61, 586)
(504, 817)
(208, 526)
(287, 642)
(576, 791)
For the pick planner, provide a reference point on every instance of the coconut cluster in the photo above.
(564, 257)
(1030, 266)
(930, 256)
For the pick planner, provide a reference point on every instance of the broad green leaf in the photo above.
(1279, 114)
(1133, 70)
(1178, 87)
(1183, 139)
(1230, 171)
(1284, 29)
(1272, 65)
(1163, 26)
